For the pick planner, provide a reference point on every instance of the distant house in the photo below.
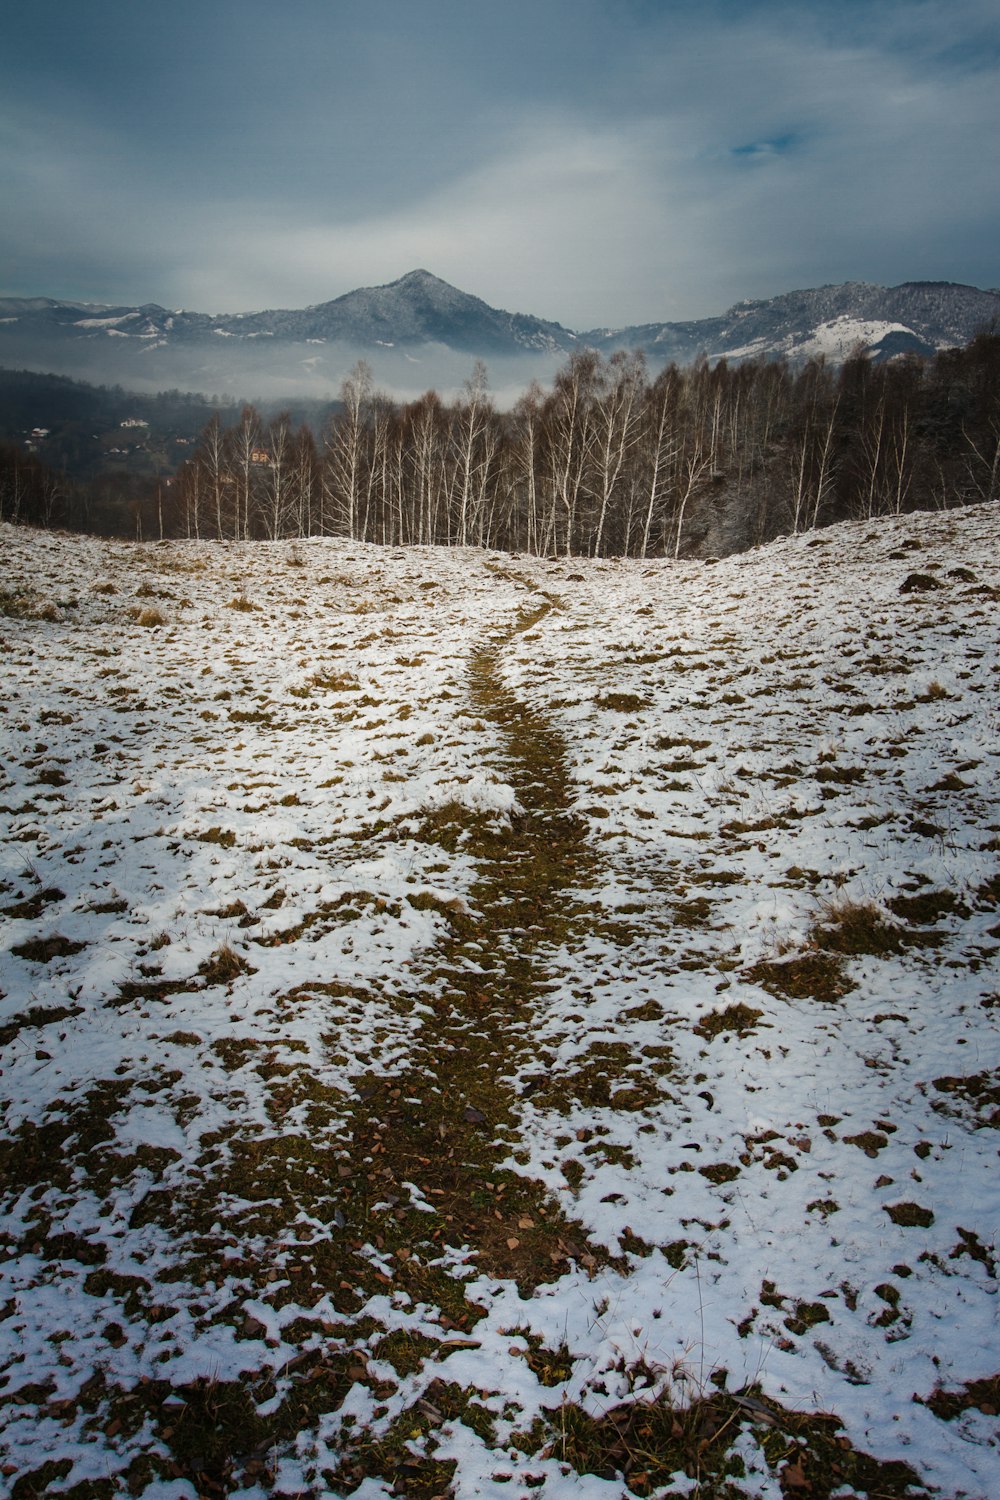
(260, 456)
(40, 432)
(134, 422)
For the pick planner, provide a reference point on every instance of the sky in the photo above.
(595, 162)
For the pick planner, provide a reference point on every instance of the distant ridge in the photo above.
(917, 316)
(419, 317)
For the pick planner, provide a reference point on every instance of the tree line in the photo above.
(610, 461)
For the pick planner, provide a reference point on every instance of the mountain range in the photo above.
(420, 331)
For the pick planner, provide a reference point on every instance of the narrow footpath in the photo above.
(439, 1131)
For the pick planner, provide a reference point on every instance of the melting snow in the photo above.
(805, 1187)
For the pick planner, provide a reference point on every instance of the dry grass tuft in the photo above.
(853, 927)
(224, 966)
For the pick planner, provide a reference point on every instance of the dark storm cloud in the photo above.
(593, 162)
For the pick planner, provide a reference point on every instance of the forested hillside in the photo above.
(609, 462)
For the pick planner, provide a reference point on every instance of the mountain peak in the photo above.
(418, 277)
(425, 287)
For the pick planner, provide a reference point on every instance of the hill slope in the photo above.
(456, 1006)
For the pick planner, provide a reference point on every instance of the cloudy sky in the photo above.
(592, 161)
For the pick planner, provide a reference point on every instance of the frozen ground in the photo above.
(495, 1027)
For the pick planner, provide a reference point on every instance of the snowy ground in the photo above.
(452, 1004)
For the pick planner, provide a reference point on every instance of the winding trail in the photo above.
(439, 1133)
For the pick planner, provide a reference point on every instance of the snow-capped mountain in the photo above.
(417, 309)
(421, 321)
(915, 317)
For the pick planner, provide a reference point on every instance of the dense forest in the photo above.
(610, 461)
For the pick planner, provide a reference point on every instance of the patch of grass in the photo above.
(334, 682)
(347, 907)
(871, 1142)
(691, 911)
(737, 1018)
(36, 1483)
(807, 1315)
(909, 1215)
(950, 783)
(919, 583)
(674, 742)
(842, 775)
(32, 907)
(608, 1076)
(51, 776)
(933, 693)
(44, 950)
(812, 975)
(225, 838)
(149, 619)
(403, 1455)
(406, 1350)
(242, 604)
(855, 927)
(38, 1015)
(234, 1052)
(974, 1094)
(644, 1443)
(970, 1245)
(927, 906)
(720, 1172)
(978, 1395)
(237, 908)
(550, 1367)
(224, 966)
(622, 703)
(254, 716)
(17, 604)
(452, 825)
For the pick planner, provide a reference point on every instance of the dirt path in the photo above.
(440, 1132)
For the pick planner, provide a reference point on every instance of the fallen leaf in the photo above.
(794, 1476)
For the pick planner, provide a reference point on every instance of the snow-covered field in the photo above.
(498, 1027)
